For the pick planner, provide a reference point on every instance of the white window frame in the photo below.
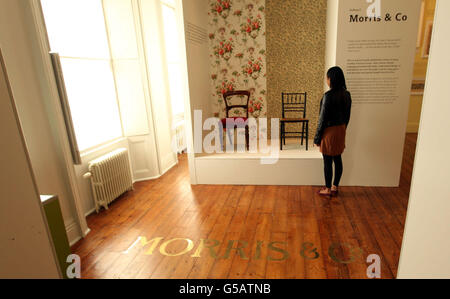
(180, 117)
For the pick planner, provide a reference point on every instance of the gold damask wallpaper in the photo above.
(295, 41)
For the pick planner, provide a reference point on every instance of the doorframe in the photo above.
(188, 121)
(42, 51)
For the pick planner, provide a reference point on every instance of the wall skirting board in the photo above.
(147, 179)
(169, 161)
(156, 177)
(73, 232)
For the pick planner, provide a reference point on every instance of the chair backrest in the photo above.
(229, 107)
(293, 103)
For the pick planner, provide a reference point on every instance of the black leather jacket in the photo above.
(335, 109)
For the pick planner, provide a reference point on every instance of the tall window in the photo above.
(77, 31)
(173, 56)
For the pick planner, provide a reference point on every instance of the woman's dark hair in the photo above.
(337, 78)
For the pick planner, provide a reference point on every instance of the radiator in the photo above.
(180, 137)
(110, 177)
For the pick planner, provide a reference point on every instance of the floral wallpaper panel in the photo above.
(237, 37)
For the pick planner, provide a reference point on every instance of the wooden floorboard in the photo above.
(167, 228)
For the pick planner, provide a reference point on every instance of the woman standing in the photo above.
(335, 109)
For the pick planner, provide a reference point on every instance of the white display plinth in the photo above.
(295, 166)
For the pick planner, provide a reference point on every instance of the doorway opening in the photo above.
(420, 64)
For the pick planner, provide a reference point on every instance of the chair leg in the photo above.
(281, 136)
(303, 132)
(247, 137)
(307, 136)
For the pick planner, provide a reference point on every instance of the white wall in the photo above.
(196, 13)
(26, 248)
(426, 243)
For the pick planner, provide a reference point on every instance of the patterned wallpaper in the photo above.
(267, 47)
(237, 35)
(296, 34)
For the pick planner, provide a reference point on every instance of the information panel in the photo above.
(374, 41)
(375, 46)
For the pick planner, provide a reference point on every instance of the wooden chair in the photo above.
(241, 122)
(294, 111)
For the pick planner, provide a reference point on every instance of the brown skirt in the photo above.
(333, 141)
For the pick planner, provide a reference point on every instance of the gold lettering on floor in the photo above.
(239, 248)
(203, 245)
(276, 251)
(154, 243)
(354, 253)
(189, 247)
